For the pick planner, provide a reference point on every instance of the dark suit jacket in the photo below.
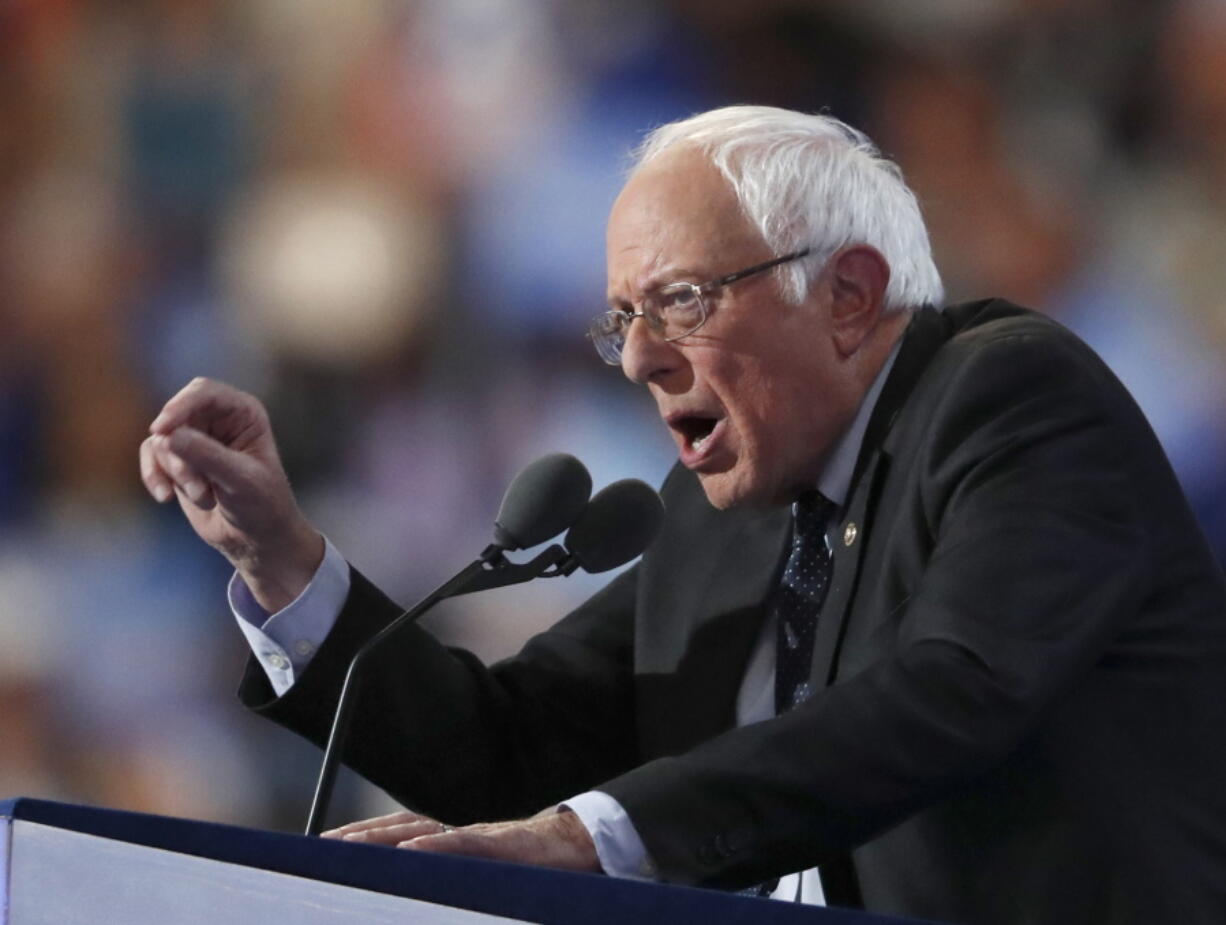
(1022, 656)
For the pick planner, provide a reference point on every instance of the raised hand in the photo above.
(213, 448)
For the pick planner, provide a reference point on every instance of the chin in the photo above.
(730, 489)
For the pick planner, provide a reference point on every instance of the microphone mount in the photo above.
(494, 570)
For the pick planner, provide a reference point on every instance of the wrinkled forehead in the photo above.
(677, 214)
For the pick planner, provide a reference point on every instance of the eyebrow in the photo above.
(657, 282)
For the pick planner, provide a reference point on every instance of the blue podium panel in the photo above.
(67, 864)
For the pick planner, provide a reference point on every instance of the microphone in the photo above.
(616, 526)
(545, 498)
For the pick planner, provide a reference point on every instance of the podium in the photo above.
(70, 865)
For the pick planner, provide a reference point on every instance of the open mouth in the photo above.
(696, 430)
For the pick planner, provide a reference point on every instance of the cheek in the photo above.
(767, 407)
(784, 424)
(761, 435)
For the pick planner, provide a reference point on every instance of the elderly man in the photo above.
(929, 620)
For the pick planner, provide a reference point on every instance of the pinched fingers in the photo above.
(156, 481)
(165, 471)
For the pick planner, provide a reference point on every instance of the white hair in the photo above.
(813, 181)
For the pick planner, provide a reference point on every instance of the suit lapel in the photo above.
(847, 548)
(926, 333)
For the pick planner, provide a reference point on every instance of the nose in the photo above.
(646, 356)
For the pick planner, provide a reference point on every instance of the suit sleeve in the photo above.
(1023, 475)
(446, 735)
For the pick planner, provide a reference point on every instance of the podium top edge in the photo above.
(37, 809)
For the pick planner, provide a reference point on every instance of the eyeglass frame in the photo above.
(699, 289)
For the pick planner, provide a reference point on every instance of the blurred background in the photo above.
(386, 218)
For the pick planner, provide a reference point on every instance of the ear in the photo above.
(858, 277)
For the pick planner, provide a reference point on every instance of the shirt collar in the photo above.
(835, 479)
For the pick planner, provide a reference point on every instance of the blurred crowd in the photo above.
(385, 218)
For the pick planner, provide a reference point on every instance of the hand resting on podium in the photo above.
(551, 838)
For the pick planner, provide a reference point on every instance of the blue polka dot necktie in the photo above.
(798, 602)
(806, 578)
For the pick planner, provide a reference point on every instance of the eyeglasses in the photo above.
(675, 311)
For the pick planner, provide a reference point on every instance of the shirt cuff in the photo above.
(618, 846)
(284, 642)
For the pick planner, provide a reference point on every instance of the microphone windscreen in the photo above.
(543, 500)
(617, 525)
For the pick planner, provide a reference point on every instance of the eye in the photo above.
(680, 309)
(676, 298)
